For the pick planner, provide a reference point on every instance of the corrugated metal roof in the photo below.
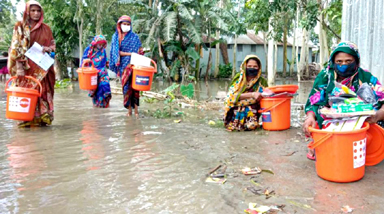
(363, 24)
(257, 39)
(241, 40)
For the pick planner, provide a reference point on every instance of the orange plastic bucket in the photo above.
(87, 76)
(375, 145)
(143, 76)
(276, 113)
(340, 156)
(21, 102)
(284, 88)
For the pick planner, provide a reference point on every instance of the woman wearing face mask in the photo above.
(343, 67)
(243, 99)
(96, 52)
(26, 32)
(124, 43)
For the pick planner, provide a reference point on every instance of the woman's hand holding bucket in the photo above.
(309, 121)
(19, 69)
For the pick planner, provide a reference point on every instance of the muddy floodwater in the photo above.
(100, 161)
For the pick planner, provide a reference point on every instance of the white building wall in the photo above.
(363, 24)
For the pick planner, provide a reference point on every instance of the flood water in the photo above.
(100, 161)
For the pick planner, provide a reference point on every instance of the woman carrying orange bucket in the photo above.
(343, 67)
(96, 52)
(124, 43)
(26, 32)
(243, 99)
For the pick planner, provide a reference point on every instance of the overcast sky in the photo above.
(19, 7)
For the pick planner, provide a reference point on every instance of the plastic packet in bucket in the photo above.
(139, 60)
(346, 124)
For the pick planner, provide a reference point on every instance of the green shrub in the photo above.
(225, 71)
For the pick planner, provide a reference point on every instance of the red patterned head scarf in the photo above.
(26, 16)
(118, 27)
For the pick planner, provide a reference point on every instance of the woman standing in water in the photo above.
(124, 43)
(96, 52)
(26, 32)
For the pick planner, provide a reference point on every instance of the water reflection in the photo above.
(144, 159)
(27, 162)
(92, 148)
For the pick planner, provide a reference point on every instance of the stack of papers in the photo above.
(346, 125)
(42, 59)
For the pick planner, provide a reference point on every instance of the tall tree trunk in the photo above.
(58, 73)
(197, 73)
(209, 64)
(275, 63)
(224, 52)
(150, 3)
(303, 56)
(80, 28)
(265, 41)
(161, 61)
(234, 68)
(99, 9)
(271, 77)
(294, 57)
(210, 53)
(322, 36)
(285, 48)
(217, 55)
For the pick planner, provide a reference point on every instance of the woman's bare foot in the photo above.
(136, 111)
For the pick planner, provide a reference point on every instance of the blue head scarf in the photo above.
(127, 42)
(98, 56)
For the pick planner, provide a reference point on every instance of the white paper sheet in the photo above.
(139, 60)
(35, 53)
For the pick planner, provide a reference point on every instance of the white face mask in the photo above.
(125, 28)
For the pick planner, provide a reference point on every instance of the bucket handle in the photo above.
(28, 77)
(86, 61)
(154, 63)
(271, 107)
(313, 144)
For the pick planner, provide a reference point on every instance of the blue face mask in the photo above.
(345, 70)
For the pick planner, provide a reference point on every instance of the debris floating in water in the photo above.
(151, 132)
(212, 123)
(347, 209)
(249, 171)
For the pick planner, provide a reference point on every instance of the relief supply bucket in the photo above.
(276, 113)
(143, 76)
(375, 145)
(87, 76)
(340, 156)
(284, 88)
(21, 102)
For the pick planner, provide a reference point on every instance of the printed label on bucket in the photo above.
(19, 104)
(266, 117)
(359, 153)
(142, 80)
(94, 80)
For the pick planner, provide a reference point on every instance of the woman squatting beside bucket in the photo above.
(26, 32)
(343, 67)
(96, 52)
(124, 43)
(243, 99)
